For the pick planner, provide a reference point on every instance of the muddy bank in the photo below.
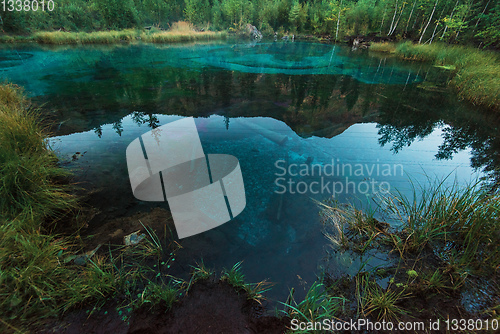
(208, 307)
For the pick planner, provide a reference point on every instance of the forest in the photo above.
(475, 22)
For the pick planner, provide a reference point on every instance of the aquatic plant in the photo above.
(457, 226)
(317, 305)
(234, 276)
(456, 221)
(345, 226)
(382, 303)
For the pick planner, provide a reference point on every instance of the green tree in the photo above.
(489, 31)
(197, 11)
(217, 19)
(117, 14)
(154, 11)
(298, 16)
(239, 12)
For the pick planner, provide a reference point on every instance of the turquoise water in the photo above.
(296, 115)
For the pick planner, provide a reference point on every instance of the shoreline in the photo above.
(112, 37)
(475, 73)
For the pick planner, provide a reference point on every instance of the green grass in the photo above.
(29, 175)
(343, 221)
(461, 223)
(179, 32)
(38, 277)
(34, 193)
(378, 302)
(316, 306)
(444, 236)
(15, 39)
(476, 73)
(154, 294)
(434, 282)
(236, 278)
(98, 37)
(383, 47)
(200, 272)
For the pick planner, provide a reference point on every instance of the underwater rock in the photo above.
(273, 136)
(133, 238)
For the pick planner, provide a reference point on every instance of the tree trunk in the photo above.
(393, 17)
(411, 13)
(399, 17)
(451, 17)
(338, 21)
(415, 22)
(479, 19)
(383, 17)
(435, 28)
(428, 22)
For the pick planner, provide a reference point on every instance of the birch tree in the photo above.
(428, 22)
(338, 21)
(451, 18)
(479, 18)
(411, 13)
(397, 21)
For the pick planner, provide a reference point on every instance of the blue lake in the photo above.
(306, 121)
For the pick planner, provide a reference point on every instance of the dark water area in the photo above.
(296, 115)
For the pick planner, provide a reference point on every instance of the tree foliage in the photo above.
(452, 21)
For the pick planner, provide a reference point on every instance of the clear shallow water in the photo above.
(35, 68)
(312, 108)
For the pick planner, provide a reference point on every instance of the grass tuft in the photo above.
(383, 304)
(317, 306)
(459, 223)
(30, 179)
(446, 236)
(35, 281)
(236, 278)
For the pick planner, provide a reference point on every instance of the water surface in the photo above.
(296, 115)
